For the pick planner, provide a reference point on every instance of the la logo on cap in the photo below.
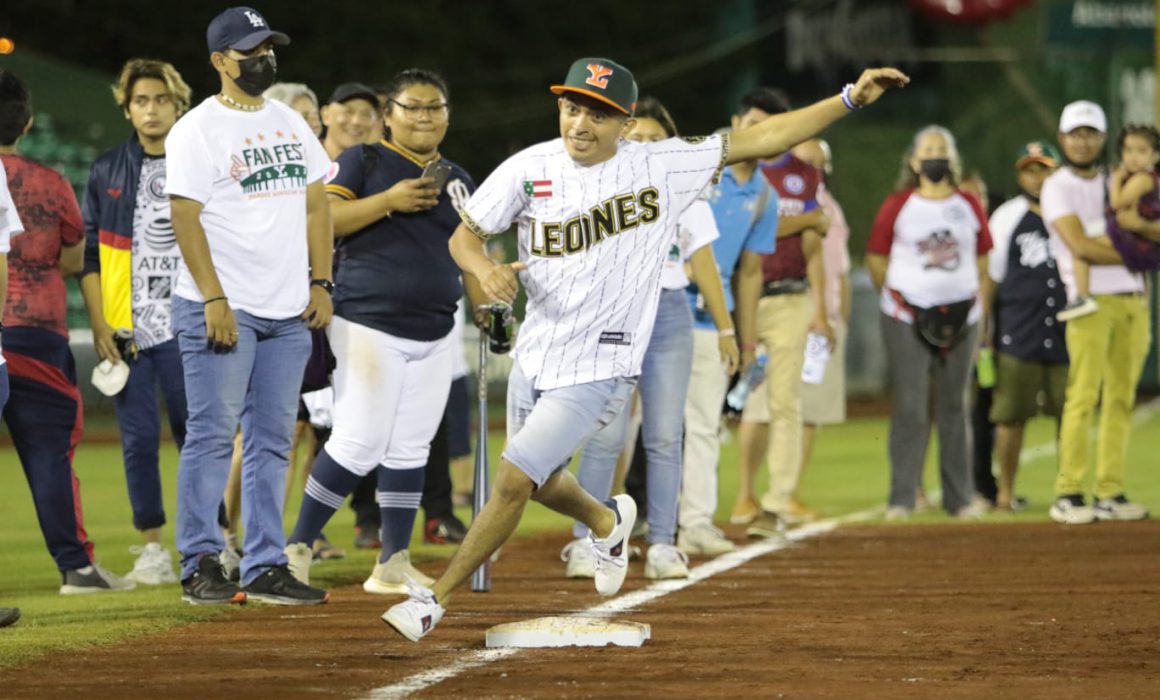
(598, 75)
(255, 18)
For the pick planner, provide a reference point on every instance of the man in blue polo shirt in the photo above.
(745, 208)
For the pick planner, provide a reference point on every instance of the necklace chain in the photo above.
(238, 105)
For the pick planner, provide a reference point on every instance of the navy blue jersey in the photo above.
(396, 275)
(1030, 291)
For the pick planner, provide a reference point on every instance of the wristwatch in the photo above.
(325, 284)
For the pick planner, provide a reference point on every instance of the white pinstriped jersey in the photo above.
(594, 239)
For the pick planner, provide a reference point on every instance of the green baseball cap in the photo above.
(601, 79)
(1037, 152)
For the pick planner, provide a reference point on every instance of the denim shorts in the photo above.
(545, 428)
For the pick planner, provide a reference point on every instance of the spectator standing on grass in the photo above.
(927, 253)
(1030, 349)
(744, 208)
(130, 265)
(299, 98)
(664, 379)
(251, 219)
(396, 295)
(44, 412)
(349, 117)
(792, 306)
(9, 226)
(825, 404)
(1107, 347)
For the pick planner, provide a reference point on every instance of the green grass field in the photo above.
(849, 473)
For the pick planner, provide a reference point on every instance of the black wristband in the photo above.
(210, 301)
(324, 283)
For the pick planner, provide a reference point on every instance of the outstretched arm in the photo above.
(781, 132)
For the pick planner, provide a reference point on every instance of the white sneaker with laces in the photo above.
(1071, 510)
(153, 567)
(666, 561)
(703, 539)
(896, 514)
(1119, 508)
(612, 552)
(416, 616)
(392, 576)
(578, 558)
(299, 556)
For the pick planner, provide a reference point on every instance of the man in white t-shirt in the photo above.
(245, 181)
(1107, 348)
(597, 216)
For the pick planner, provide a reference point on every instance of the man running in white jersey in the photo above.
(596, 216)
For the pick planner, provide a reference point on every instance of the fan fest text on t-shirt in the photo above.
(594, 239)
(249, 170)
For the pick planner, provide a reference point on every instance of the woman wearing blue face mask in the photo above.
(928, 255)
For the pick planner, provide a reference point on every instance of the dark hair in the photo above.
(1146, 130)
(15, 107)
(651, 108)
(767, 99)
(415, 76)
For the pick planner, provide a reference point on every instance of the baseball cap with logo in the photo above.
(1037, 152)
(603, 80)
(241, 28)
(352, 91)
(1083, 113)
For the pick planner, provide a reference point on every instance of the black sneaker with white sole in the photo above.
(9, 616)
(209, 585)
(92, 579)
(278, 586)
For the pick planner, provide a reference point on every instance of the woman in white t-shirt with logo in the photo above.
(928, 254)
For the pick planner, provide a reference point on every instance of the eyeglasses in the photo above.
(434, 112)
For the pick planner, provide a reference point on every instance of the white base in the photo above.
(568, 632)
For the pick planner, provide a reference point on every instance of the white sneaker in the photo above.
(578, 558)
(299, 555)
(612, 552)
(971, 511)
(666, 561)
(416, 616)
(1071, 510)
(1119, 508)
(93, 579)
(231, 563)
(703, 539)
(391, 577)
(154, 565)
(895, 514)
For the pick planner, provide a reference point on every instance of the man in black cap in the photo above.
(597, 216)
(245, 182)
(349, 117)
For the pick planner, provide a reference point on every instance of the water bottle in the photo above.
(817, 355)
(752, 379)
(499, 328)
(985, 368)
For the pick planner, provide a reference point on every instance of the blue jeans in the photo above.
(257, 382)
(664, 383)
(140, 423)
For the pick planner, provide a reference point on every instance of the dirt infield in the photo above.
(976, 611)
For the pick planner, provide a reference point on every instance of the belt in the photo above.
(789, 286)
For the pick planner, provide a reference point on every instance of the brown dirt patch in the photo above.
(978, 611)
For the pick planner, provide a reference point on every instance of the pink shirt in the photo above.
(1064, 194)
(835, 255)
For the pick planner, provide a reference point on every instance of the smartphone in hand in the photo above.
(437, 171)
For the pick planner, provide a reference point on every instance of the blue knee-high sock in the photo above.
(399, 493)
(328, 485)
